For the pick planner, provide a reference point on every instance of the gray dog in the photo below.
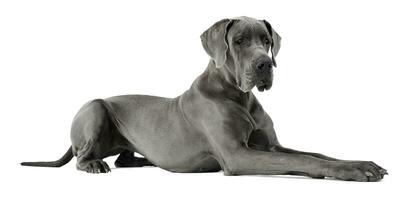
(217, 124)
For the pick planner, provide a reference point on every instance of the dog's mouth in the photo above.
(263, 85)
(260, 81)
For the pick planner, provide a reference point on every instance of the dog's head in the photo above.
(242, 45)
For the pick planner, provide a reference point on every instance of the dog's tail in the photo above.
(58, 163)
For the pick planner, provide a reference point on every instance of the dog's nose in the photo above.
(264, 66)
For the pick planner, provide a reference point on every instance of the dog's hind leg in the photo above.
(94, 137)
(127, 159)
(87, 161)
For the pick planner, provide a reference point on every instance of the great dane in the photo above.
(217, 124)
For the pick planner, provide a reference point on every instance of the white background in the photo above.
(342, 88)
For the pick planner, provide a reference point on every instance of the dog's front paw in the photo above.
(364, 171)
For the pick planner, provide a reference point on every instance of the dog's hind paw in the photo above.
(97, 166)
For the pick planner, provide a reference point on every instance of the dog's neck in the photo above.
(221, 82)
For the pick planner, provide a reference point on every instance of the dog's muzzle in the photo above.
(264, 74)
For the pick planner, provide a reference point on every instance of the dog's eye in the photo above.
(267, 41)
(239, 41)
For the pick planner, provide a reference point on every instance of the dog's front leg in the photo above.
(246, 161)
(229, 133)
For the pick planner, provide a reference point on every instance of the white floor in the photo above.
(154, 183)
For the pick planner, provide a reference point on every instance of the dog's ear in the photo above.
(214, 41)
(276, 41)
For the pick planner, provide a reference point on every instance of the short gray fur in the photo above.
(217, 124)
